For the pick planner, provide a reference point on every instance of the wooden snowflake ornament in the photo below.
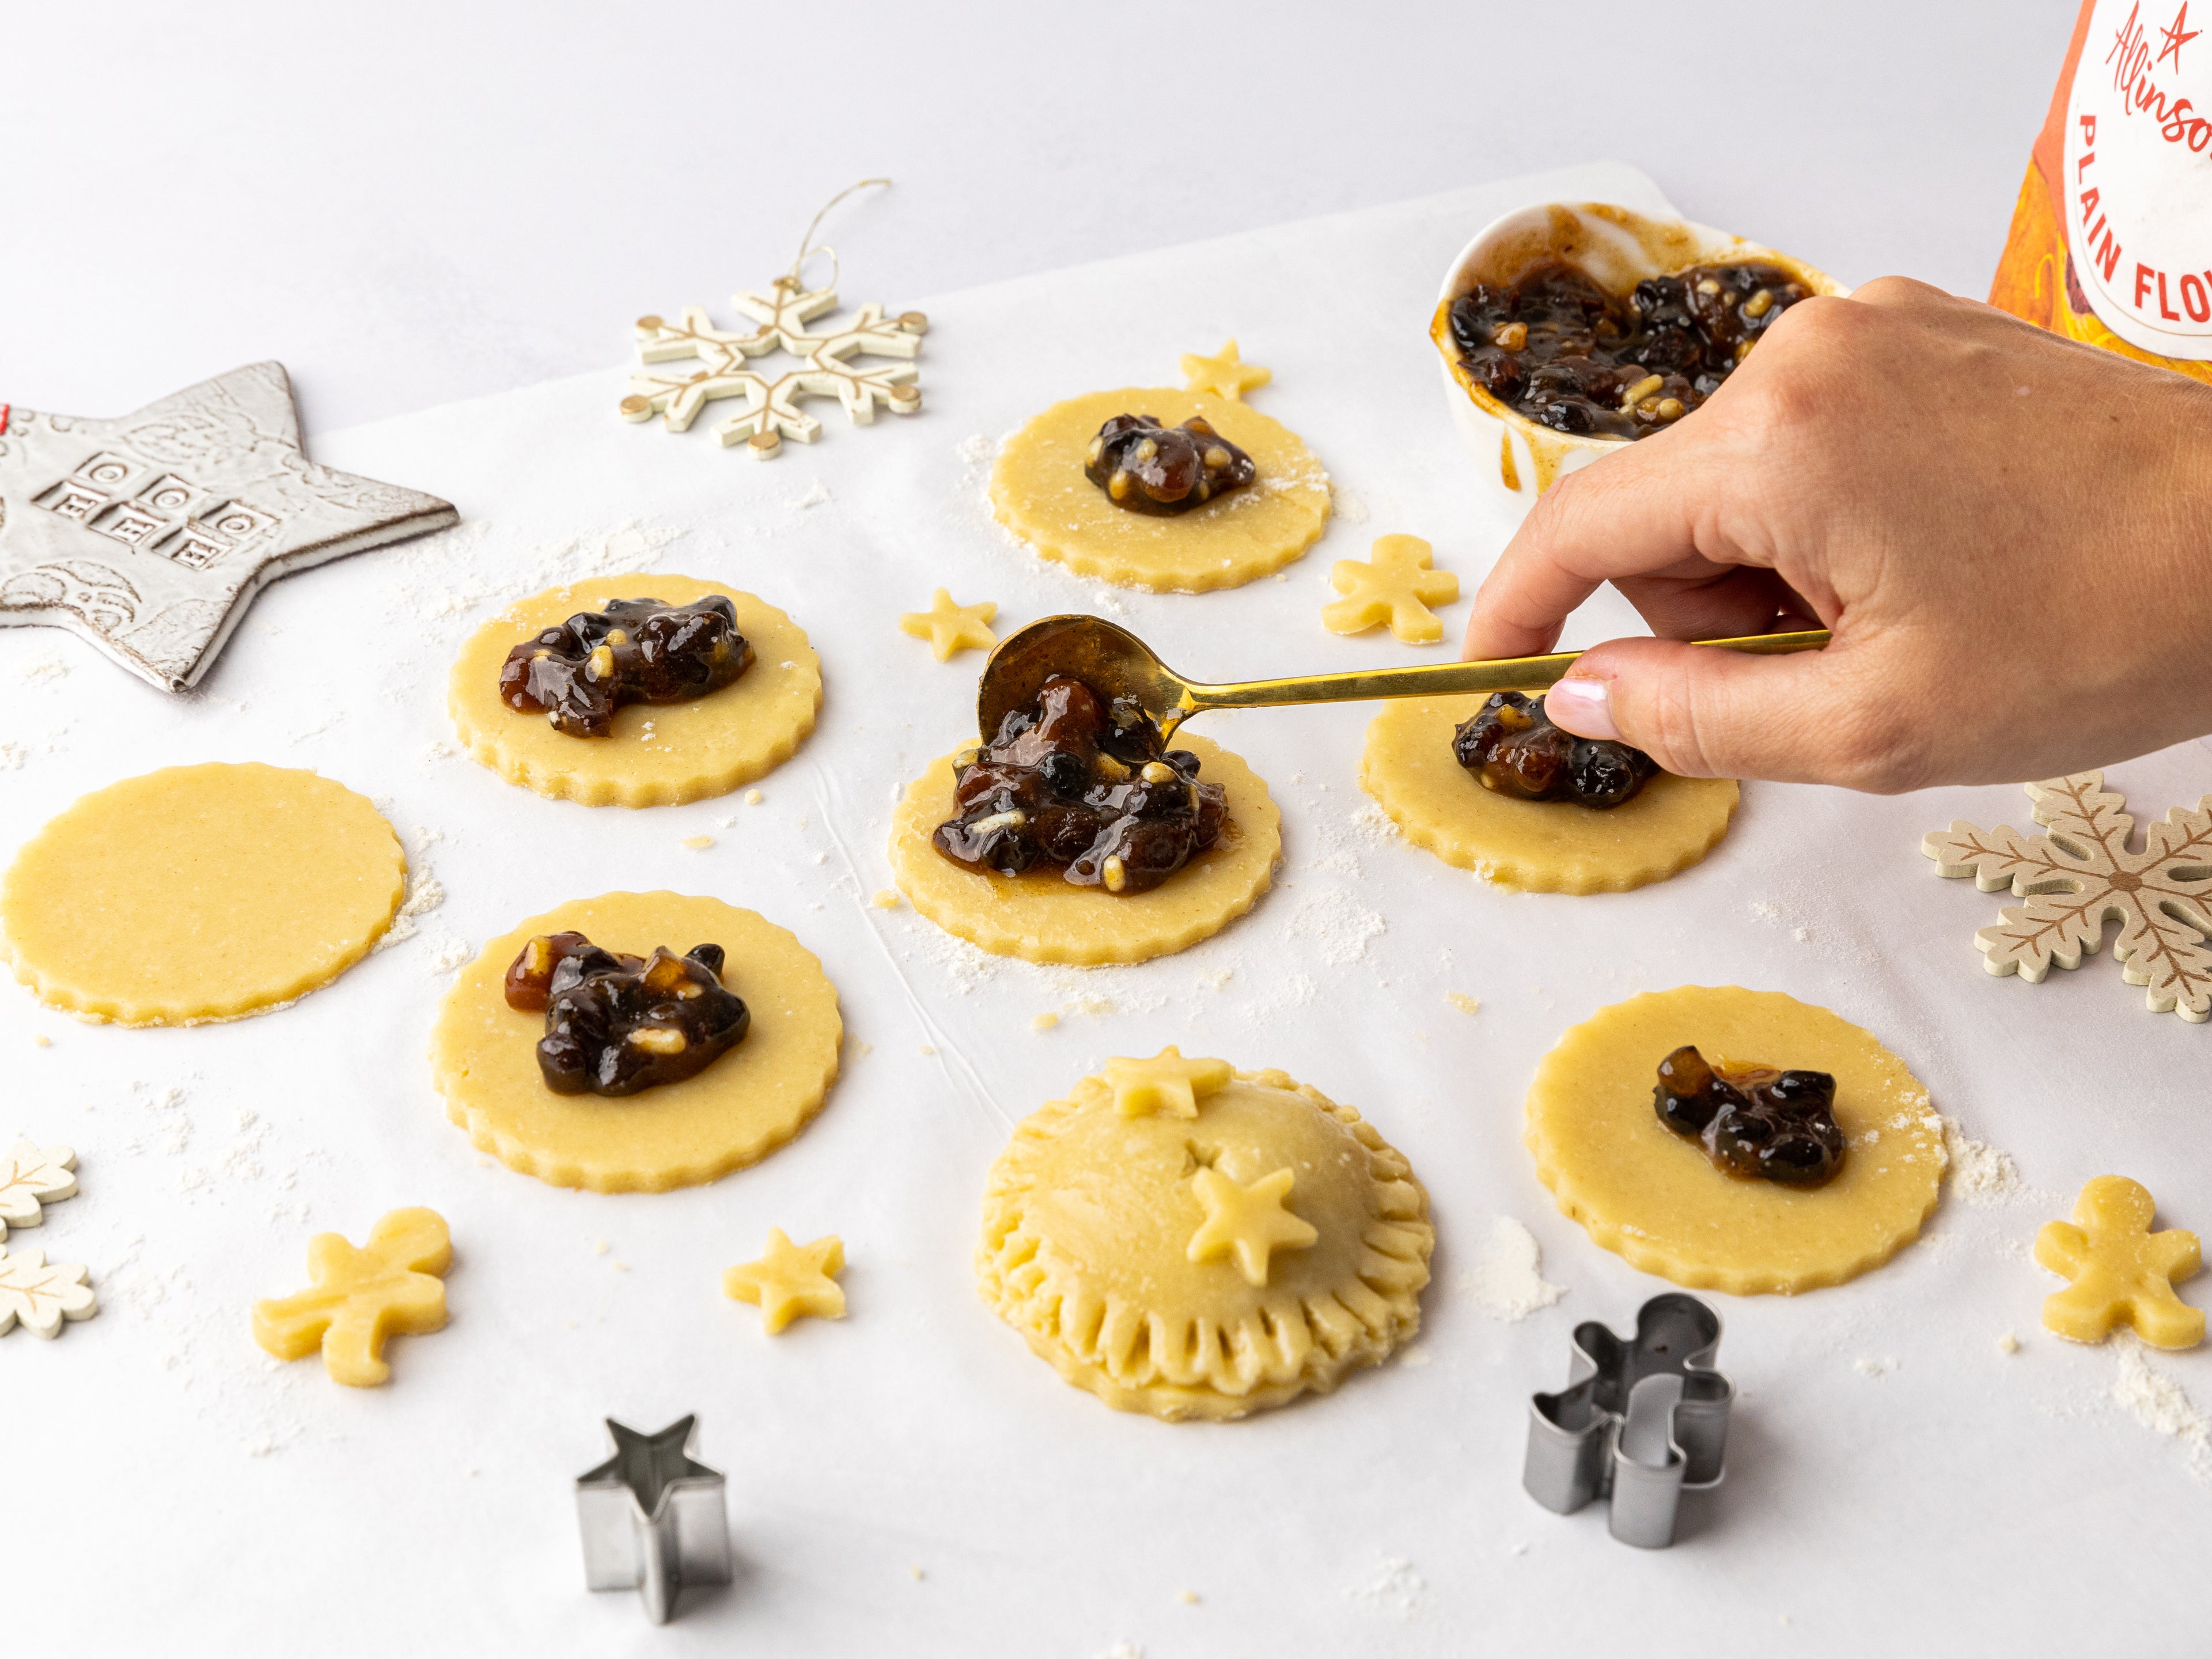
(2082, 874)
(40, 1297)
(771, 411)
(32, 1175)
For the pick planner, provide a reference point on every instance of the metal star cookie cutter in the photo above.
(653, 1519)
(1641, 1421)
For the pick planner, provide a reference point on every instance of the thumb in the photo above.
(1809, 717)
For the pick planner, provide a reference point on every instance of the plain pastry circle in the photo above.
(1087, 1221)
(1655, 1197)
(199, 893)
(1039, 916)
(748, 1102)
(1544, 847)
(660, 754)
(1038, 491)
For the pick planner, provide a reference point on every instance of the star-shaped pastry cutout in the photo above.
(2122, 1273)
(1226, 375)
(1166, 1083)
(1249, 1222)
(950, 627)
(149, 535)
(792, 1281)
(1396, 586)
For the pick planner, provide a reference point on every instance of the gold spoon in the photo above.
(1114, 663)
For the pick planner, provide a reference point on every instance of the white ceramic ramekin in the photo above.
(1619, 247)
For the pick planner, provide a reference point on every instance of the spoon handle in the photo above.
(1437, 679)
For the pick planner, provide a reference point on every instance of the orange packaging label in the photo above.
(2111, 238)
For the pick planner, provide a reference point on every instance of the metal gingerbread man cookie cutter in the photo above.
(1640, 1421)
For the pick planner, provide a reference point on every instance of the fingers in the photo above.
(1641, 512)
(1813, 716)
(1730, 602)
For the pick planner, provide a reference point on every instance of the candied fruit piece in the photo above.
(1150, 468)
(1567, 355)
(1755, 1122)
(615, 1023)
(1072, 783)
(1513, 749)
(578, 673)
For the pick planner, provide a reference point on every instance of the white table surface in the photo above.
(418, 201)
(1896, 1483)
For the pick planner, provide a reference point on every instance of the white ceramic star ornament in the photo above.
(149, 534)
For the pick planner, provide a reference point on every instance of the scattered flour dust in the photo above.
(1340, 927)
(47, 665)
(1980, 1174)
(1373, 824)
(818, 495)
(1346, 505)
(2162, 1405)
(12, 756)
(438, 578)
(425, 892)
(1507, 1281)
(1397, 1589)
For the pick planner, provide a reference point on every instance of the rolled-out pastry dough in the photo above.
(484, 1055)
(1540, 846)
(1654, 1197)
(1038, 491)
(1088, 1223)
(1039, 916)
(660, 754)
(199, 893)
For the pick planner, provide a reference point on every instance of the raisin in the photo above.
(578, 673)
(1150, 468)
(1582, 349)
(1513, 749)
(615, 1023)
(1085, 787)
(1755, 1122)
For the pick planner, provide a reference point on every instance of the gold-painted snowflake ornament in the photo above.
(2083, 874)
(771, 411)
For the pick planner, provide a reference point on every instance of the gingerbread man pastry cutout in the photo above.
(393, 1285)
(2122, 1273)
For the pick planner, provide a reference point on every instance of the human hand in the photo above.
(2010, 533)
